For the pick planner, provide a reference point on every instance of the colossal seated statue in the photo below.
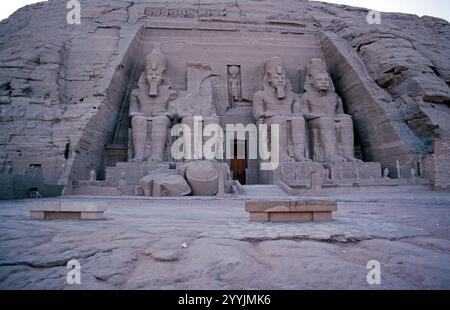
(278, 104)
(149, 109)
(331, 131)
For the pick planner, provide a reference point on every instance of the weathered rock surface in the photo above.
(141, 245)
(62, 86)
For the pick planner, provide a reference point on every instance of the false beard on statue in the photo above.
(153, 90)
(281, 93)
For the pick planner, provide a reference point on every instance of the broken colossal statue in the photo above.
(278, 104)
(149, 109)
(331, 130)
(196, 101)
(164, 185)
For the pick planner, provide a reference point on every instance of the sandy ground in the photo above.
(140, 246)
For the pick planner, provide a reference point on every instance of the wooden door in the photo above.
(239, 163)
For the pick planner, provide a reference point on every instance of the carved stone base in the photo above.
(354, 170)
(294, 173)
(299, 174)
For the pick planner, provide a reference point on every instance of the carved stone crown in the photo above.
(156, 55)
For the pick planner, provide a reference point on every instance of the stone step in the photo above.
(85, 190)
(264, 191)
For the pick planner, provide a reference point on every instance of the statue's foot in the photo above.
(335, 159)
(352, 159)
(136, 159)
(302, 160)
(155, 159)
(286, 159)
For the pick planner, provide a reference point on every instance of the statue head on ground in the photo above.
(276, 77)
(155, 70)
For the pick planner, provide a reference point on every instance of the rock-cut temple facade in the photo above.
(91, 107)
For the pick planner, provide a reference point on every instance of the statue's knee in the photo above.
(162, 121)
(348, 121)
(277, 120)
(138, 121)
(298, 121)
(323, 123)
(188, 120)
(210, 120)
(345, 121)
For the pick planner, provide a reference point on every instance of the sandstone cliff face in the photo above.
(55, 85)
(406, 56)
(62, 87)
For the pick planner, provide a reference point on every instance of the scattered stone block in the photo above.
(291, 211)
(67, 210)
(161, 185)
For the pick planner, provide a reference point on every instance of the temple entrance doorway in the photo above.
(239, 163)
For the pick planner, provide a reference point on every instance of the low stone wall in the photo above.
(25, 186)
(442, 164)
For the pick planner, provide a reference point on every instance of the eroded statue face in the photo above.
(321, 81)
(155, 71)
(276, 75)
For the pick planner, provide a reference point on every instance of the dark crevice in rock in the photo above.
(335, 239)
(60, 263)
(127, 9)
(109, 27)
(325, 239)
(5, 89)
(360, 46)
(56, 263)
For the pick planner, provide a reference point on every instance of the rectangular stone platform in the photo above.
(66, 210)
(291, 211)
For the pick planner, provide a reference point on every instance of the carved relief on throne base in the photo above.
(299, 174)
(294, 173)
(354, 171)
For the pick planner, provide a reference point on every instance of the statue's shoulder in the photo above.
(259, 96)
